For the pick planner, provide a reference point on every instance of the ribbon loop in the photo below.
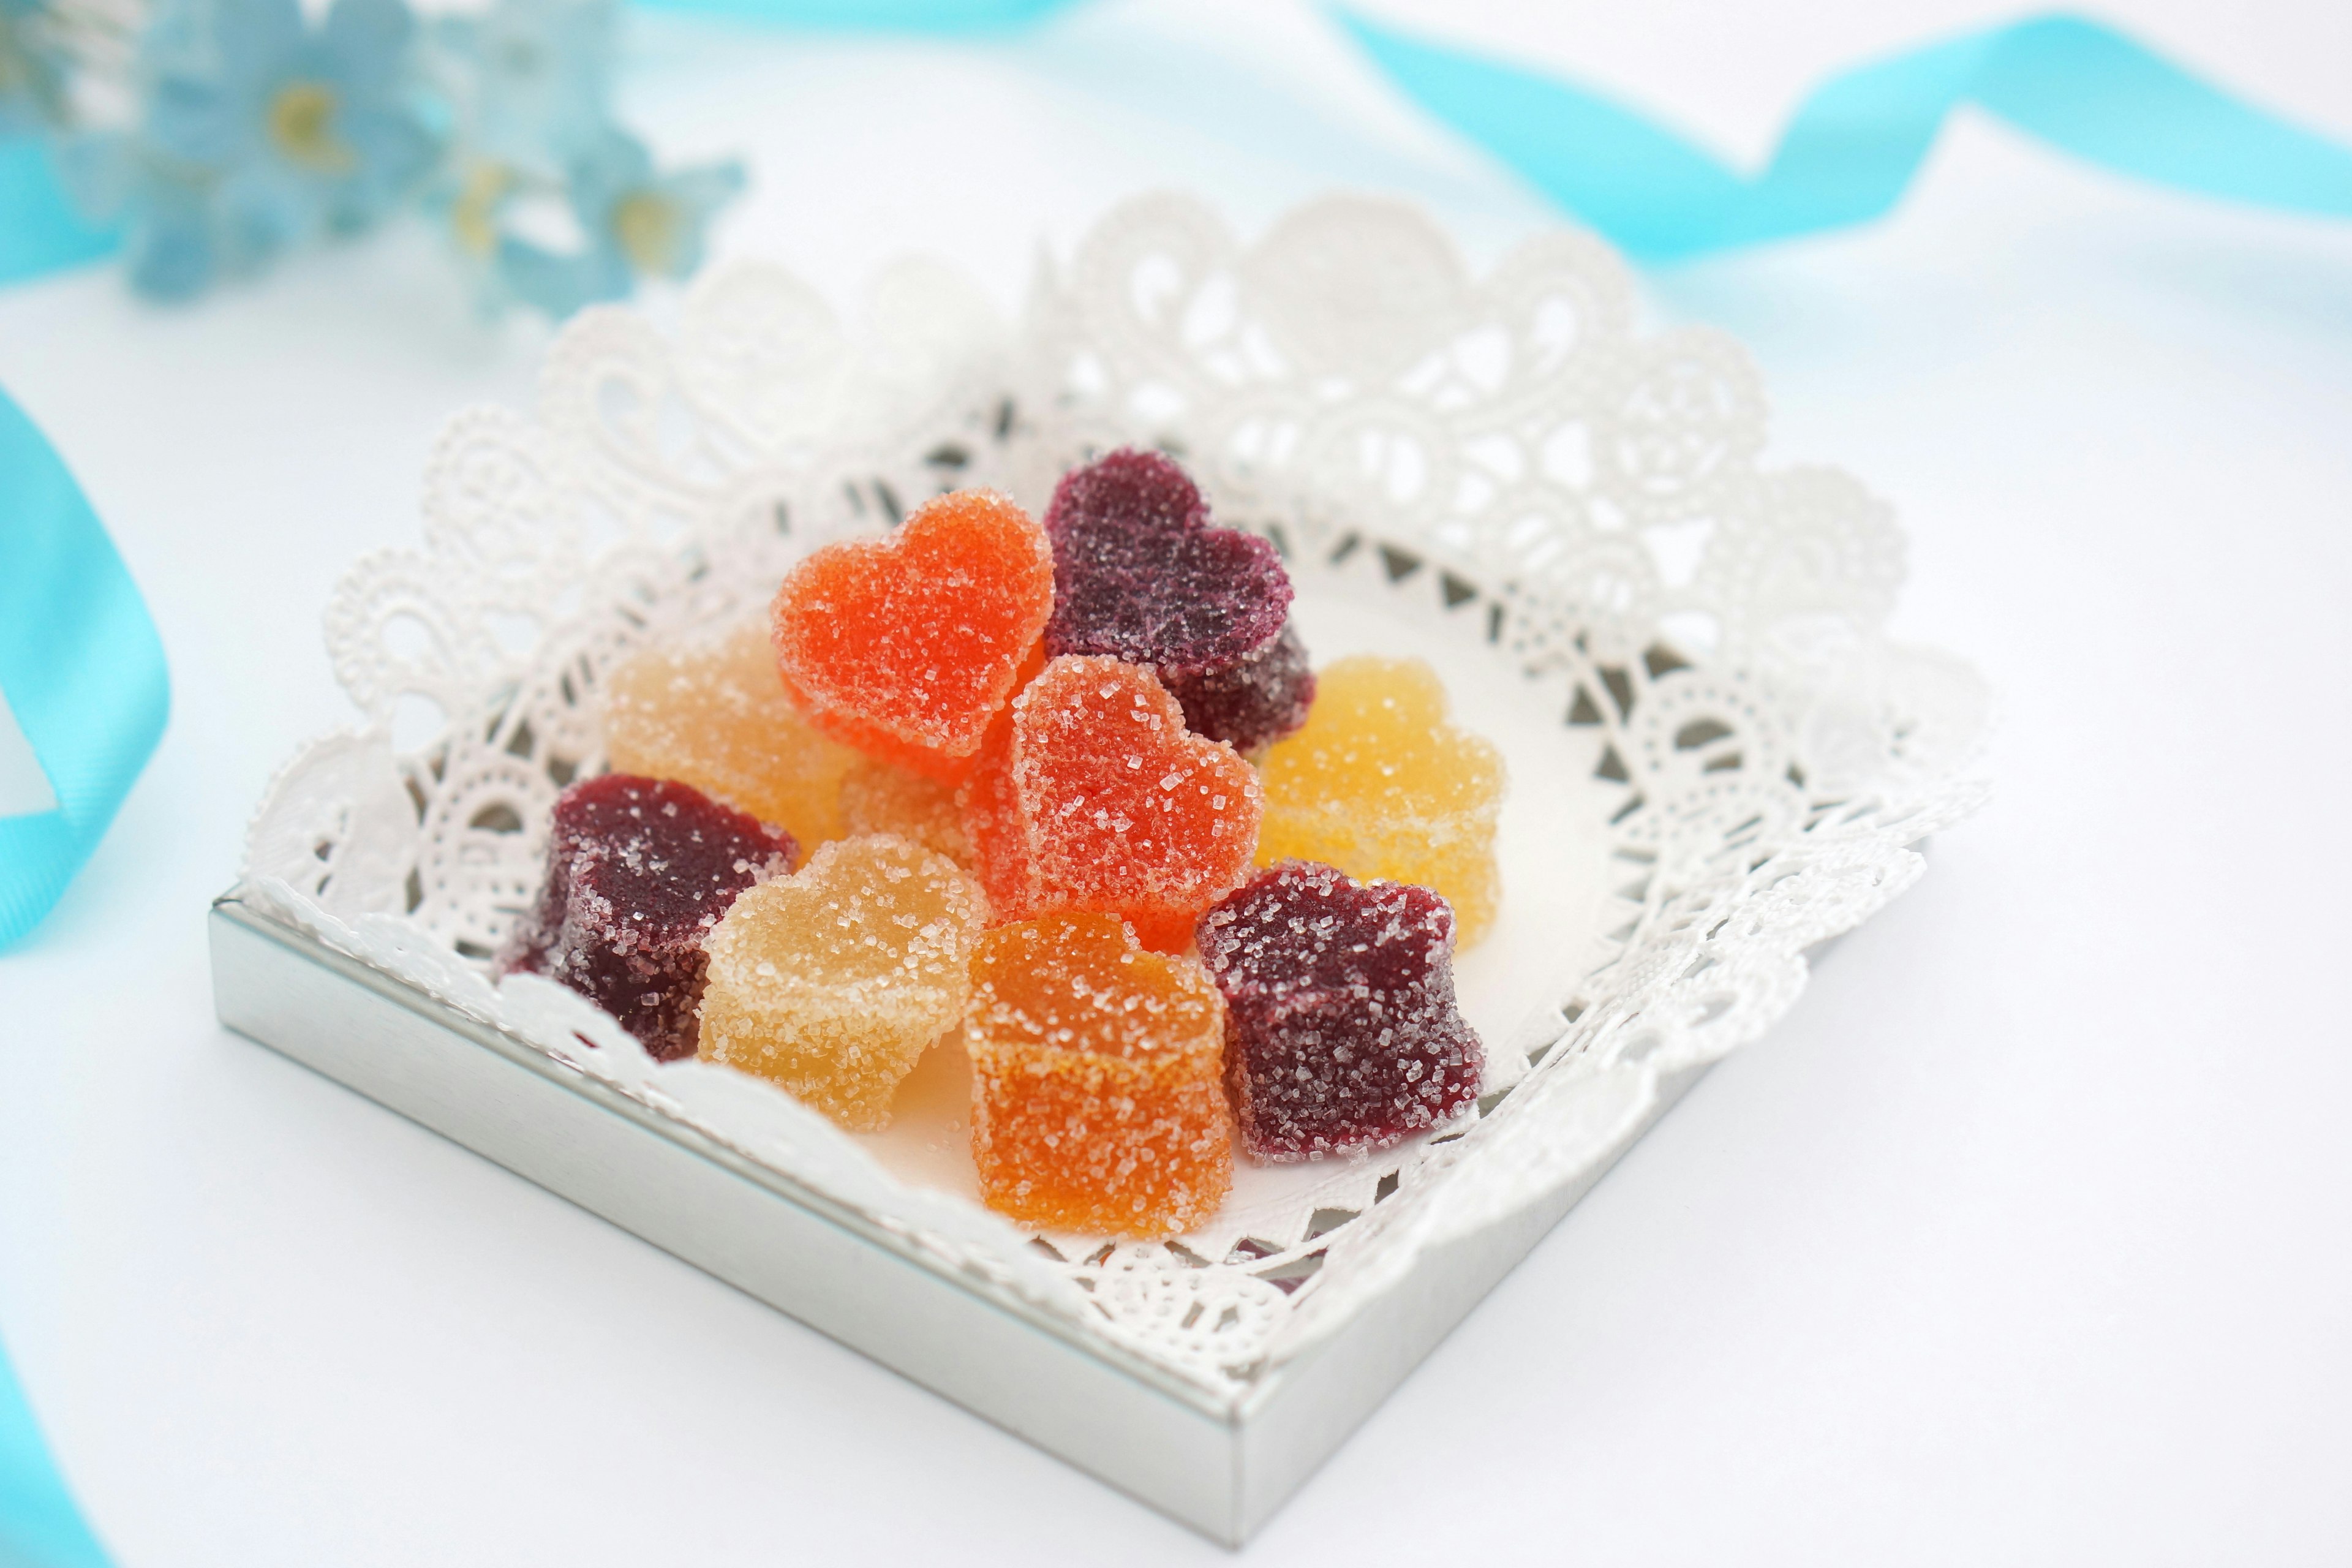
(1858, 140)
(81, 664)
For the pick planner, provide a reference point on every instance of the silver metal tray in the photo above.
(1223, 1466)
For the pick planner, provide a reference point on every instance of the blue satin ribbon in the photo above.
(1846, 157)
(38, 1525)
(84, 675)
(39, 229)
(81, 664)
(1859, 138)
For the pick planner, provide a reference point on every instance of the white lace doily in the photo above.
(1719, 761)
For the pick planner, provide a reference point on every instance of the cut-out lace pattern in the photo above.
(1503, 457)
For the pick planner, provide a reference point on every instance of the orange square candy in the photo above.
(1097, 1103)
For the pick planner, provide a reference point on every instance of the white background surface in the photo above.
(2024, 1240)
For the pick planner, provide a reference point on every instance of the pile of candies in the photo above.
(1071, 795)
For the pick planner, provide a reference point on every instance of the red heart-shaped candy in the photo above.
(1093, 795)
(907, 647)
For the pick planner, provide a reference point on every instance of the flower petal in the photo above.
(560, 285)
(366, 42)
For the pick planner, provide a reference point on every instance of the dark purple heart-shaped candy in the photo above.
(1140, 574)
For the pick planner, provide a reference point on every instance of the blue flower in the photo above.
(166, 209)
(531, 79)
(637, 224)
(260, 133)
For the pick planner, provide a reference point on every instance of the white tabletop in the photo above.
(2022, 1240)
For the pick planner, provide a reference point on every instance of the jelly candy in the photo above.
(1123, 809)
(906, 648)
(1094, 796)
(1341, 1033)
(1379, 784)
(1095, 1100)
(833, 982)
(716, 717)
(1252, 702)
(1141, 576)
(883, 797)
(994, 826)
(638, 871)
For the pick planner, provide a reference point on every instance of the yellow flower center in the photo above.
(302, 127)
(474, 217)
(648, 225)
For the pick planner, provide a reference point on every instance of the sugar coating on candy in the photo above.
(1097, 1101)
(1139, 574)
(882, 798)
(638, 872)
(1125, 809)
(832, 982)
(1094, 796)
(1341, 1032)
(907, 646)
(1252, 702)
(997, 830)
(715, 716)
(1380, 785)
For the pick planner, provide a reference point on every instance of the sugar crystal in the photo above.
(1380, 785)
(1341, 1031)
(1094, 795)
(638, 871)
(715, 716)
(1095, 1100)
(1140, 574)
(832, 982)
(906, 648)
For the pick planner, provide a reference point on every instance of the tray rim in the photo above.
(1222, 1466)
(232, 906)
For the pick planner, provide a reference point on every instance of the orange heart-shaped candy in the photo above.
(906, 648)
(1093, 795)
